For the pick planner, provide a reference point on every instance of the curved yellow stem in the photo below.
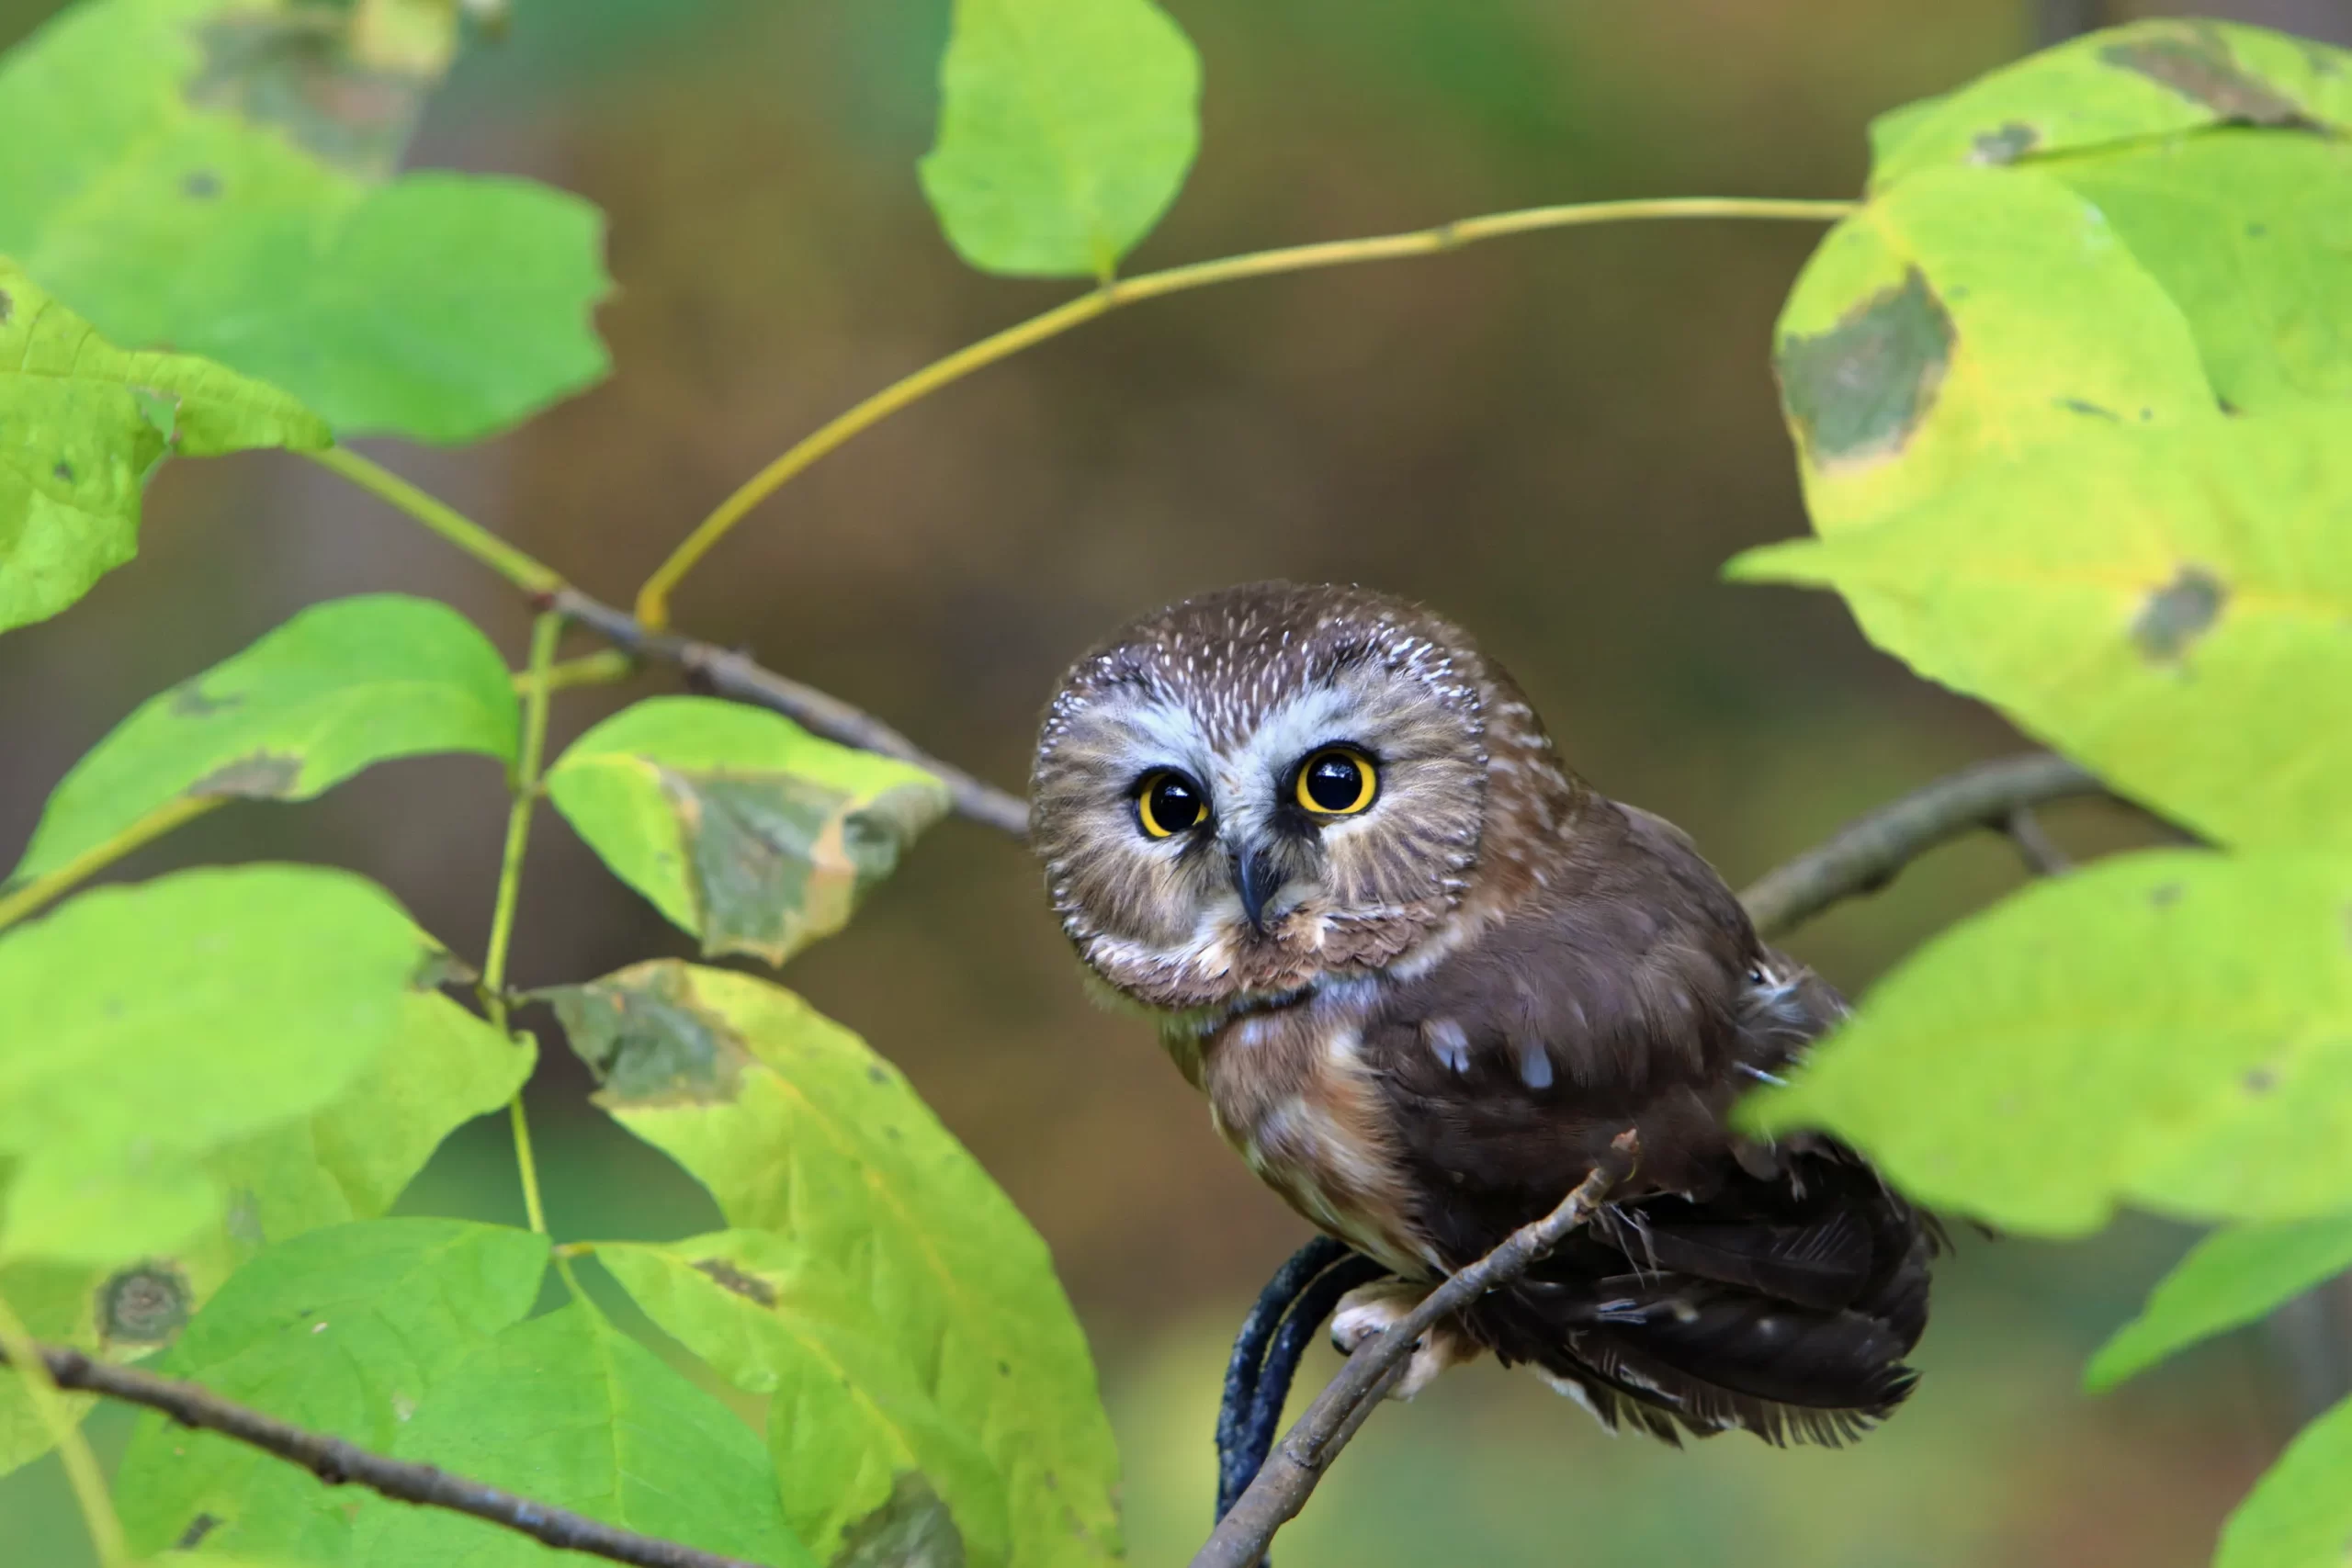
(531, 575)
(653, 598)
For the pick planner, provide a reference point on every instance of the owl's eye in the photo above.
(1167, 803)
(1338, 781)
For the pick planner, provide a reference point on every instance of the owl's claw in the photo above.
(1372, 1310)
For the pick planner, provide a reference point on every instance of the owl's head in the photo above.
(1251, 790)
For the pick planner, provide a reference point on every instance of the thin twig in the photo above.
(2034, 845)
(1865, 856)
(336, 1462)
(1298, 1462)
(737, 676)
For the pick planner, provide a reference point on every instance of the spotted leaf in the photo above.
(83, 425)
(2200, 1003)
(798, 1130)
(340, 686)
(2172, 608)
(860, 1449)
(737, 824)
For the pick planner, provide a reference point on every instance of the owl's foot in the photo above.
(1369, 1311)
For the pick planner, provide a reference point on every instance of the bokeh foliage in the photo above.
(2067, 396)
(2119, 510)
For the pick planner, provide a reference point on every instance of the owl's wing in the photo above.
(1771, 1287)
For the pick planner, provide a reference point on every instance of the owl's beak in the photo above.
(1257, 876)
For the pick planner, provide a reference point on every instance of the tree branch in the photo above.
(736, 675)
(1864, 855)
(336, 1462)
(1291, 1471)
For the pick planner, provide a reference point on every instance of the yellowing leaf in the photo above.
(2152, 80)
(1964, 318)
(2168, 1029)
(2171, 609)
(859, 1448)
(737, 824)
(797, 1128)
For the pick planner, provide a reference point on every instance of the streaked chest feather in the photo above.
(1288, 1089)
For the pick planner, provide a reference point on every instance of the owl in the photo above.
(1423, 974)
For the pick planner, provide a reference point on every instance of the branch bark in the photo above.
(336, 1462)
(1864, 855)
(737, 675)
(1291, 1471)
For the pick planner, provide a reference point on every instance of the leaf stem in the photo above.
(524, 783)
(530, 575)
(48, 885)
(590, 670)
(82, 1470)
(653, 598)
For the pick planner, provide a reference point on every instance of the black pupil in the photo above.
(1174, 806)
(1333, 782)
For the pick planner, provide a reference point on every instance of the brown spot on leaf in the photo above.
(201, 184)
(646, 1044)
(190, 702)
(296, 72)
(2261, 1080)
(2195, 61)
(7, 307)
(62, 472)
(912, 1529)
(198, 1528)
(749, 1286)
(2166, 894)
(2079, 405)
(1856, 391)
(2176, 615)
(146, 1304)
(2007, 146)
(263, 775)
(778, 860)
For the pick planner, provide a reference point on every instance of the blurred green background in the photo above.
(1555, 439)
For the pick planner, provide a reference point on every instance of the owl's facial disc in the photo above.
(1232, 816)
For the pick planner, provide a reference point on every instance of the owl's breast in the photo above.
(1286, 1088)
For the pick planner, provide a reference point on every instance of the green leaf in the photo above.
(348, 1161)
(1065, 127)
(150, 1026)
(859, 1448)
(1968, 317)
(2232, 1278)
(2174, 610)
(737, 824)
(208, 174)
(797, 1128)
(2168, 1029)
(2152, 80)
(82, 425)
(345, 1331)
(2299, 1514)
(340, 686)
(566, 1410)
(2250, 231)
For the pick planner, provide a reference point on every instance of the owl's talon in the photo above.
(1369, 1311)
